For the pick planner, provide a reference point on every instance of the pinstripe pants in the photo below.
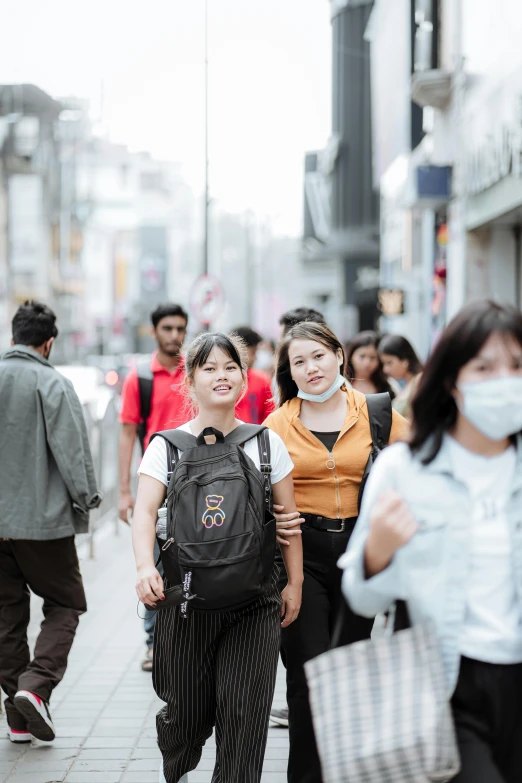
(216, 669)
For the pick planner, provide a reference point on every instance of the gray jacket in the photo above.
(47, 480)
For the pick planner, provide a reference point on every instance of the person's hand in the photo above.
(287, 525)
(125, 504)
(149, 585)
(292, 596)
(392, 525)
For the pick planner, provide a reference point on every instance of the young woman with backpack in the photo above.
(216, 667)
(326, 428)
(441, 529)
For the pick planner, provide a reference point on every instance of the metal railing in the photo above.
(103, 438)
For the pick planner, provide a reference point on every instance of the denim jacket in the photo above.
(431, 571)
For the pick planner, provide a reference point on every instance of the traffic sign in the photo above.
(207, 299)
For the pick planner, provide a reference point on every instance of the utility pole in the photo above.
(206, 234)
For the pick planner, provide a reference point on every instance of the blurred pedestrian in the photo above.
(48, 489)
(152, 399)
(364, 365)
(400, 362)
(257, 402)
(216, 668)
(297, 316)
(440, 528)
(265, 357)
(326, 428)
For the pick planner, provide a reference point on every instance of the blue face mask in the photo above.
(336, 385)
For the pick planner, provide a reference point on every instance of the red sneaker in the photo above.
(18, 736)
(37, 715)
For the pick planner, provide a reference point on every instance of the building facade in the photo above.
(446, 92)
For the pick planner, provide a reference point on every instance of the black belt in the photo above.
(330, 525)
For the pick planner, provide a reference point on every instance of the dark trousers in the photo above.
(309, 636)
(216, 669)
(50, 569)
(487, 708)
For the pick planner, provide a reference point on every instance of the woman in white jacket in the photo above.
(441, 528)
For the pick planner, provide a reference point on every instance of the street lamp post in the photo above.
(206, 218)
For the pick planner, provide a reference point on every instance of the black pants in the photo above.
(487, 707)
(216, 669)
(51, 570)
(309, 636)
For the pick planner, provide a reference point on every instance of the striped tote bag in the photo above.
(381, 711)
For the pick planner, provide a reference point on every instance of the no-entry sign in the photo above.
(207, 299)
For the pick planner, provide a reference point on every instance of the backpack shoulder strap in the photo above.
(380, 416)
(263, 443)
(178, 438)
(244, 432)
(145, 382)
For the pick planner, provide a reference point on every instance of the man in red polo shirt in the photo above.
(258, 401)
(168, 407)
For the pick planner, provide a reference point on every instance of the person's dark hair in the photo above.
(307, 330)
(298, 316)
(379, 379)
(33, 324)
(164, 310)
(396, 345)
(200, 349)
(433, 407)
(249, 336)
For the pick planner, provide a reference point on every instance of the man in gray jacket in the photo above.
(47, 488)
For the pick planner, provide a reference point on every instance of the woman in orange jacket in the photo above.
(326, 429)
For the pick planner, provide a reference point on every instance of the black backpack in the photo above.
(221, 533)
(145, 382)
(380, 416)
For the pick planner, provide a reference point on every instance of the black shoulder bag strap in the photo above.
(380, 417)
(145, 384)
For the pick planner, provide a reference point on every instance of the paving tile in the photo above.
(93, 777)
(105, 708)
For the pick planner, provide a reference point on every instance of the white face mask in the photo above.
(337, 384)
(494, 407)
(264, 360)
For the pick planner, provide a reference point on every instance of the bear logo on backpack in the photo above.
(221, 567)
(213, 504)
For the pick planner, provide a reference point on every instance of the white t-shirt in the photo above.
(492, 629)
(154, 462)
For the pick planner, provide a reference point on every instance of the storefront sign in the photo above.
(499, 156)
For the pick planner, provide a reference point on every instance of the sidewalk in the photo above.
(104, 710)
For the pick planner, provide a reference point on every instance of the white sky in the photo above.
(270, 84)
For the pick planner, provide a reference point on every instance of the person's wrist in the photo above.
(296, 582)
(376, 557)
(143, 564)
